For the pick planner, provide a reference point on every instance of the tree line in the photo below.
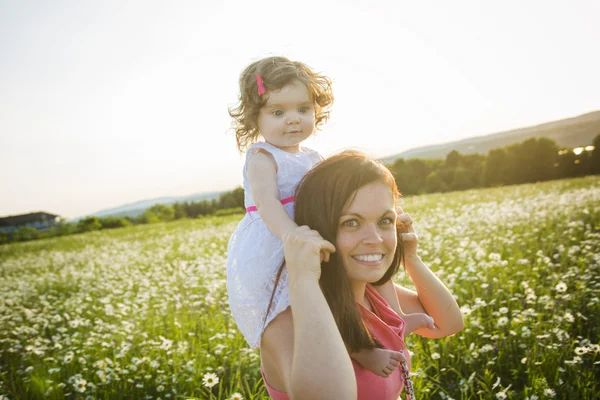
(534, 160)
(228, 203)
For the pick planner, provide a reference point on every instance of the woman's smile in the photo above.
(370, 259)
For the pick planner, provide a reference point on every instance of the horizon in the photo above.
(230, 189)
(108, 104)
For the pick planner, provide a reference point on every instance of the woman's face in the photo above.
(366, 238)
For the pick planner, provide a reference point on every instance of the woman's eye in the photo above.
(277, 113)
(386, 221)
(351, 223)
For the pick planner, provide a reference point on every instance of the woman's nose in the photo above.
(372, 234)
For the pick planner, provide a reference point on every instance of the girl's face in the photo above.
(288, 117)
(366, 238)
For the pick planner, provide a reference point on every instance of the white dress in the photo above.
(255, 254)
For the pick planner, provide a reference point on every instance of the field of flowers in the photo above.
(141, 312)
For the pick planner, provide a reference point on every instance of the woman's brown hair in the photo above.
(276, 72)
(320, 199)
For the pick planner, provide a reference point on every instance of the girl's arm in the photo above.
(262, 177)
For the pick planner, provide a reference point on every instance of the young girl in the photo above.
(283, 102)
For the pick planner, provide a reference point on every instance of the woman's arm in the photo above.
(262, 177)
(413, 321)
(318, 365)
(432, 296)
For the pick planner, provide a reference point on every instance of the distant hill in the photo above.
(569, 132)
(138, 208)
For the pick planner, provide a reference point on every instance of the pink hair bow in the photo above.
(261, 86)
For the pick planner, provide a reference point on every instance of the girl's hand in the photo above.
(304, 249)
(409, 237)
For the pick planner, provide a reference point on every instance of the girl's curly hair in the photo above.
(276, 72)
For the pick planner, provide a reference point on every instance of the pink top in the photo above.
(388, 328)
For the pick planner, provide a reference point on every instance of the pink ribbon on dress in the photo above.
(283, 201)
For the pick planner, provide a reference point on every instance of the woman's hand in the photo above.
(409, 237)
(304, 250)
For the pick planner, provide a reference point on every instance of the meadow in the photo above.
(141, 312)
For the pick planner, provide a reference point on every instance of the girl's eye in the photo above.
(351, 223)
(303, 109)
(277, 113)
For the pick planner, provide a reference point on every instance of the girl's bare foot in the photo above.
(417, 321)
(381, 362)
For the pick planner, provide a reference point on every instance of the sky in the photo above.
(107, 103)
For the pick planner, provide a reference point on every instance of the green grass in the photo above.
(141, 312)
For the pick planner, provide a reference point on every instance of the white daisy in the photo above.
(209, 380)
(80, 385)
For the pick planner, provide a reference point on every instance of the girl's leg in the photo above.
(412, 321)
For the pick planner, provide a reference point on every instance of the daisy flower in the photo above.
(68, 358)
(80, 385)
(209, 380)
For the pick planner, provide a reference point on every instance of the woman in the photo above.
(348, 201)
